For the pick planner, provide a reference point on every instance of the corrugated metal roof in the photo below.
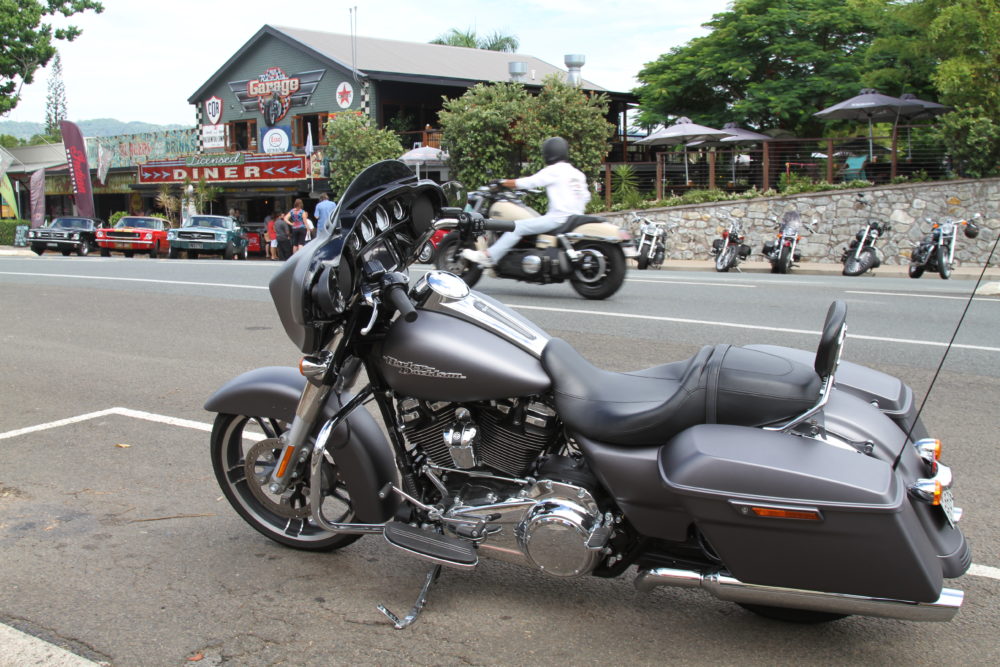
(418, 59)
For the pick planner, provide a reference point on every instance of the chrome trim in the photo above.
(576, 236)
(925, 488)
(730, 589)
(493, 316)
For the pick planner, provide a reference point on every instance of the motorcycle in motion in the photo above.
(936, 252)
(784, 250)
(586, 250)
(652, 241)
(729, 249)
(790, 482)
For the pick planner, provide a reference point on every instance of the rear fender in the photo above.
(358, 446)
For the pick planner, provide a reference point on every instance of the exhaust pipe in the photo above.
(725, 587)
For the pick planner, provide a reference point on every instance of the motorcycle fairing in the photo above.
(358, 446)
(721, 383)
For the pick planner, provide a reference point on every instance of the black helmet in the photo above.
(555, 149)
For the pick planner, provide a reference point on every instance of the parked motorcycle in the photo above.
(652, 241)
(729, 249)
(783, 251)
(936, 252)
(862, 253)
(787, 481)
(586, 250)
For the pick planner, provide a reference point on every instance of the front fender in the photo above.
(358, 446)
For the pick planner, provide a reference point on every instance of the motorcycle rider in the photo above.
(566, 188)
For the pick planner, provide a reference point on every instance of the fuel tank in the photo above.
(506, 210)
(438, 357)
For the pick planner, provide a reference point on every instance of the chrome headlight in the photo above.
(148, 236)
(32, 234)
(74, 236)
(171, 235)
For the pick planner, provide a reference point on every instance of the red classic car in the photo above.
(134, 234)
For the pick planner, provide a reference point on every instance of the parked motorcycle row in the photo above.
(797, 485)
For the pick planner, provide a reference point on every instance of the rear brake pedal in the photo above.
(435, 547)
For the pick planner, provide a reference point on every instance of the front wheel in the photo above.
(724, 260)
(785, 261)
(944, 266)
(105, 252)
(449, 258)
(600, 270)
(916, 270)
(643, 259)
(83, 249)
(856, 265)
(244, 451)
(173, 253)
(37, 249)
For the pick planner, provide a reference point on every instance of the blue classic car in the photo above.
(208, 235)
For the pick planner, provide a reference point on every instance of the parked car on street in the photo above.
(67, 234)
(132, 234)
(208, 235)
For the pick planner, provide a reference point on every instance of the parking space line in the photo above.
(20, 648)
(921, 296)
(130, 280)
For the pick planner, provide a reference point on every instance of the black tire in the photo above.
(154, 252)
(725, 259)
(658, 257)
(173, 253)
(37, 249)
(83, 249)
(65, 252)
(803, 616)
(192, 254)
(244, 254)
(944, 268)
(785, 261)
(449, 258)
(229, 252)
(426, 253)
(128, 253)
(916, 270)
(642, 260)
(105, 252)
(601, 270)
(284, 519)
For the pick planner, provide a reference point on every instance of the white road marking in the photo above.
(686, 282)
(922, 296)
(18, 648)
(737, 325)
(122, 412)
(130, 280)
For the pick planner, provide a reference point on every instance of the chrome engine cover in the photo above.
(552, 526)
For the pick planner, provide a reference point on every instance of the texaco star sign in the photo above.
(345, 95)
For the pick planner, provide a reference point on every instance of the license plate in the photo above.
(194, 246)
(948, 505)
(121, 245)
(52, 245)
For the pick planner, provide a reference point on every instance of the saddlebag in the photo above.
(717, 245)
(768, 247)
(783, 510)
(744, 251)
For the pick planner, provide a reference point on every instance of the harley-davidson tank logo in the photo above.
(410, 368)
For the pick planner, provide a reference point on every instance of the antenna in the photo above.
(944, 356)
(353, 13)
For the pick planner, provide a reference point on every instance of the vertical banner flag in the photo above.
(103, 163)
(309, 151)
(38, 198)
(6, 159)
(79, 170)
(8, 200)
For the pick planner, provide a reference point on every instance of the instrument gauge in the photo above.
(354, 242)
(366, 229)
(381, 219)
(397, 210)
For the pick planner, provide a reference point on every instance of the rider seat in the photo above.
(720, 384)
(572, 222)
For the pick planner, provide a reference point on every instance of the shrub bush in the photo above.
(7, 227)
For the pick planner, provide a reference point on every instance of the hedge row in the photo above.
(7, 227)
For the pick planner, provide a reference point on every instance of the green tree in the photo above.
(766, 63)
(55, 101)
(497, 41)
(10, 141)
(494, 131)
(353, 144)
(26, 42)
(966, 35)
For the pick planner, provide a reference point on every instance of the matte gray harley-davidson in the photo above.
(788, 482)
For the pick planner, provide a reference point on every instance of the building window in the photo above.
(243, 135)
(316, 123)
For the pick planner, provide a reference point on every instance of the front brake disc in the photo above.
(259, 462)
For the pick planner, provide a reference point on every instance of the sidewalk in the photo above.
(751, 266)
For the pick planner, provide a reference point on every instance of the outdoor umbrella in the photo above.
(927, 110)
(870, 105)
(424, 156)
(682, 132)
(738, 136)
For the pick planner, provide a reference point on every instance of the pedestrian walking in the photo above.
(283, 236)
(323, 212)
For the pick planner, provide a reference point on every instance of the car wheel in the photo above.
(229, 252)
(83, 249)
(128, 253)
(173, 253)
(245, 254)
(37, 249)
(65, 252)
(105, 252)
(155, 251)
(192, 254)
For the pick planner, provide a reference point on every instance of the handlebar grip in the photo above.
(401, 301)
(499, 225)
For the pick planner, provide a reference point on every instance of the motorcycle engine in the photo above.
(549, 518)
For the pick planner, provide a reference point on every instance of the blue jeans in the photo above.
(522, 228)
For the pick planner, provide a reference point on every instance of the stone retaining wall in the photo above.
(838, 218)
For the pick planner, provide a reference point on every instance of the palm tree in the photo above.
(468, 38)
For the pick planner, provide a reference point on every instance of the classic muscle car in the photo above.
(67, 234)
(132, 234)
(208, 235)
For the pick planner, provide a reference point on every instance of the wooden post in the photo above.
(895, 155)
(711, 170)
(767, 167)
(607, 186)
(659, 175)
(829, 160)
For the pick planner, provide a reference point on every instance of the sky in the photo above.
(141, 60)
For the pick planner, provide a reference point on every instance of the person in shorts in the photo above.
(297, 218)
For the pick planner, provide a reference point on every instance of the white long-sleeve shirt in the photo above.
(565, 185)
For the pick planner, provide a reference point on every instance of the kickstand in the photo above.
(432, 575)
